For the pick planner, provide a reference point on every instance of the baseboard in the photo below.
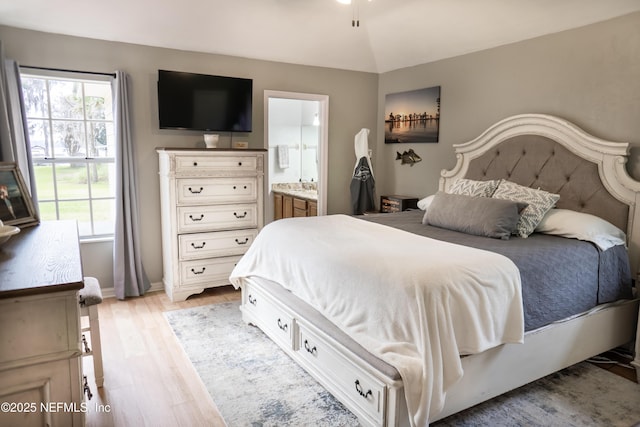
(111, 292)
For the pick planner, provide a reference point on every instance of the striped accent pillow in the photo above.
(539, 203)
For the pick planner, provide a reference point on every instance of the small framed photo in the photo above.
(16, 205)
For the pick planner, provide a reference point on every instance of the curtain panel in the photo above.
(129, 275)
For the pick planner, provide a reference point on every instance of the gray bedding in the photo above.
(560, 277)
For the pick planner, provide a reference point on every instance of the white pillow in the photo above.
(581, 226)
(424, 203)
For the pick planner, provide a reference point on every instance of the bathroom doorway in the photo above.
(296, 137)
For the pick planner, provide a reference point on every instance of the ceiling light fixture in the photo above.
(355, 19)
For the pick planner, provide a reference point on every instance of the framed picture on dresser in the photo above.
(16, 205)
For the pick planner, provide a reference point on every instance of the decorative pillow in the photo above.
(469, 187)
(581, 226)
(539, 202)
(481, 216)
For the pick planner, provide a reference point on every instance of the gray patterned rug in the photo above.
(254, 383)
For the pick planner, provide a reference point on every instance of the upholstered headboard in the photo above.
(546, 152)
(538, 162)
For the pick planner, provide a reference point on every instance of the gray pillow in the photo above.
(481, 216)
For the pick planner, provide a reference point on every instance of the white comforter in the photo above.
(415, 302)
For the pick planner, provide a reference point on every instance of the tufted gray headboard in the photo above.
(539, 162)
(547, 152)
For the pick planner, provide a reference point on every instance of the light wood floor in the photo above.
(149, 381)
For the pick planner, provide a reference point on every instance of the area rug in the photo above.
(254, 383)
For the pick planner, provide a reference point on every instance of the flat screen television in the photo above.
(204, 102)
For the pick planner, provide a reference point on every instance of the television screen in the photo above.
(204, 102)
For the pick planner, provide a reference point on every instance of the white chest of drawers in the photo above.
(212, 207)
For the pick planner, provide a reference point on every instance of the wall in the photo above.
(352, 105)
(589, 76)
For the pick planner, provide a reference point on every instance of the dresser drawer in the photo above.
(352, 383)
(215, 244)
(212, 270)
(216, 190)
(220, 217)
(38, 326)
(206, 164)
(274, 321)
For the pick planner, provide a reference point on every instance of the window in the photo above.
(71, 132)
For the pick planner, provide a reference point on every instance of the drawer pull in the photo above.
(282, 326)
(246, 240)
(196, 219)
(198, 272)
(244, 187)
(86, 389)
(240, 216)
(195, 163)
(313, 350)
(85, 344)
(196, 191)
(239, 163)
(361, 391)
(194, 246)
(252, 300)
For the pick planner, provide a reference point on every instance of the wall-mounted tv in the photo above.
(204, 102)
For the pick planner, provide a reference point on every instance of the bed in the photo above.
(351, 324)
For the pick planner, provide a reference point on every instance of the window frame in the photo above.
(86, 161)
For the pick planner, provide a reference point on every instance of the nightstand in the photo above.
(397, 203)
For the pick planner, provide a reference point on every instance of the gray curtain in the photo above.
(14, 137)
(129, 276)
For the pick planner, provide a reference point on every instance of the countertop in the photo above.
(302, 190)
(302, 194)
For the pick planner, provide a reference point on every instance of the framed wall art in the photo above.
(16, 205)
(412, 116)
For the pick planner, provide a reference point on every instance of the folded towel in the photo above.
(283, 156)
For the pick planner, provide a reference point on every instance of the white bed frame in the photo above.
(378, 400)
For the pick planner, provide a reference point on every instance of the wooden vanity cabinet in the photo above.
(288, 206)
(312, 208)
(299, 207)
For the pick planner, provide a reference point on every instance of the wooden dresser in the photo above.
(212, 207)
(40, 353)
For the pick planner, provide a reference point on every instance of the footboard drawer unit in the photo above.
(362, 390)
(276, 322)
(212, 207)
(369, 393)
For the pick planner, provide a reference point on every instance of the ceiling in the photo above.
(392, 34)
